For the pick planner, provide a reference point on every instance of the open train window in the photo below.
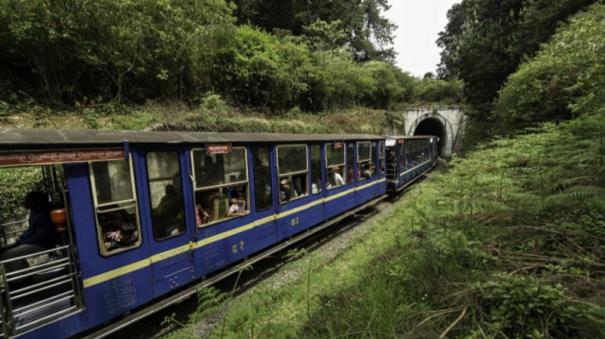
(163, 171)
(365, 166)
(335, 161)
(315, 169)
(220, 183)
(115, 204)
(293, 170)
(263, 195)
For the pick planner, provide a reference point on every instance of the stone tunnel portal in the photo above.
(433, 126)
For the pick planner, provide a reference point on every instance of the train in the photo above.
(140, 218)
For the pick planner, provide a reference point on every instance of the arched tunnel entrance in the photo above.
(432, 126)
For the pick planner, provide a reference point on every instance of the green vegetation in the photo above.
(486, 40)
(15, 183)
(508, 242)
(565, 79)
(71, 54)
(360, 23)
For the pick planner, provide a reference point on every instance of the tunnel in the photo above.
(432, 126)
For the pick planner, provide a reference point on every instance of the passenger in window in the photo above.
(350, 175)
(201, 216)
(220, 205)
(122, 231)
(298, 184)
(40, 233)
(237, 205)
(366, 171)
(235, 191)
(334, 178)
(169, 206)
(286, 192)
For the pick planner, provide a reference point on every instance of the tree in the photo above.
(369, 33)
(486, 40)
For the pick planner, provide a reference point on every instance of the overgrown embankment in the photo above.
(506, 243)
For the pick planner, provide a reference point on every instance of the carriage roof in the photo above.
(48, 138)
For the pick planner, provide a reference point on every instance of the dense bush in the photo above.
(431, 90)
(566, 78)
(15, 183)
(68, 51)
(261, 70)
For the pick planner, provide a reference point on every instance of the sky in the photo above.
(420, 22)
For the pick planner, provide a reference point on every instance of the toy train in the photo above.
(140, 216)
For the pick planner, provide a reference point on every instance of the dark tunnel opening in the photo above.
(432, 126)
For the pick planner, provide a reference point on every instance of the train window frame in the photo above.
(350, 159)
(197, 189)
(182, 198)
(361, 162)
(290, 174)
(316, 179)
(343, 164)
(382, 156)
(255, 152)
(402, 155)
(96, 206)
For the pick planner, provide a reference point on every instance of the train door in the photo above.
(263, 202)
(166, 216)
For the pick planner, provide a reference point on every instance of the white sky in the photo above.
(419, 23)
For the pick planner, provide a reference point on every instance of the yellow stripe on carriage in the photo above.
(106, 276)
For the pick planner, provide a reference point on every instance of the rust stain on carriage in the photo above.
(60, 156)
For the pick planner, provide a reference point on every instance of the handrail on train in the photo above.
(43, 291)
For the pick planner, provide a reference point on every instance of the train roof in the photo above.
(46, 138)
(397, 137)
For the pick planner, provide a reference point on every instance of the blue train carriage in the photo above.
(408, 157)
(138, 215)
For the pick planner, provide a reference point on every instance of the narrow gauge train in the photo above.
(141, 217)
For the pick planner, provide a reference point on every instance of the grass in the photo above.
(212, 115)
(508, 242)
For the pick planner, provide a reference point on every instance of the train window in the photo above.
(404, 151)
(315, 169)
(335, 161)
(167, 217)
(221, 185)
(115, 205)
(375, 160)
(263, 196)
(381, 156)
(293, 171)
(365, 165)
(350, 163)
